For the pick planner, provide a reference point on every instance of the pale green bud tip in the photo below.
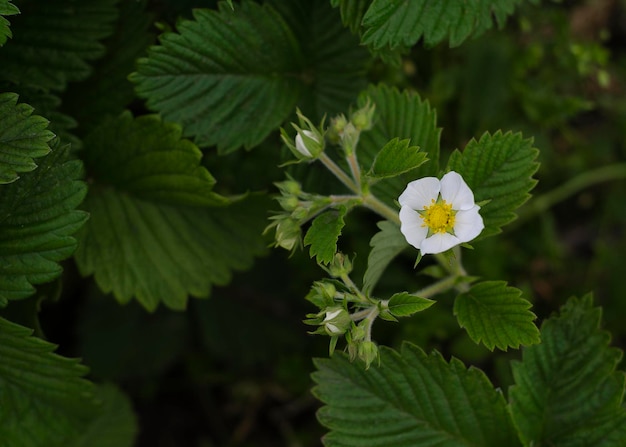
(364, 117)
(368, 352)
(287, 234)
(308, 143)
(337, 321)
(340, 265)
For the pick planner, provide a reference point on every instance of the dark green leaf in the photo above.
(148, 159)
(6, 9)
(45, 401)
(499, 169)
(352, 12)
(405, 304)
(386, 245)
(567, 391)
(411, 400)
(404, 116)
(396, 158)
(324, 234)
(496, 315)
(391, 23)
(37, 221)
(53, 41)
(23, 137)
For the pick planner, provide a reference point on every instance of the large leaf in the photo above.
(37, 221)
(496, 315)
(567, 391)
(6, 9)
(230, 70)
(44, 398)
(352, 12)
(391, 23)
(152, 233)
(54, 40)
(499, 169)
(324, 233)
(386, 245)
(404, 116)
(411, 400)
(23, 137)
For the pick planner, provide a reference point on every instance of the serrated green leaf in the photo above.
(395, 158)
(386, 245)
(6, 9)
(225, 71)
(23, 137)
(352, 12)
(45, 401)
(37, 223)
(405, 116)
(498, 168)
(54, 40)
(403, 22)
(324, 234)
(404, 304)
(567, 391)
(496, 315)
(108, 91)
(148, 159)
(114, 426)
(163, 253)
(410, 400)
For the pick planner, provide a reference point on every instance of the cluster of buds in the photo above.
(347, 132)
(309, 141)
(298, 207)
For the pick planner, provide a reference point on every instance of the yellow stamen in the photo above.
(438, 217)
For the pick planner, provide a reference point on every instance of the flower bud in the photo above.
(340, 265)
(364, 117)
(288, 203)
(289, 187)
(335, 131)
(337, 321)
(309, 144)
(288, 233)
(368, 352)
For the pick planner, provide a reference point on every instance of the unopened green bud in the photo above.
(289, 187)
(364, 117)
(340, 265)
(335, 130)
(368, 352)
(309, 144)
(322, 294)
(288, 234)
(288, 203)
(350, 138)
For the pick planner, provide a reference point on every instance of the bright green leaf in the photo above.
(23, 137)
(148, 159)
(496, 315)
(45, 401)
(324, 234)
(114, 426)
(395, 158)
(405, 304)
(6, 9)
(54, 40)
(411, 400)
(499, 169)
(567, 391)
(391, 23)
(404, 116)
(386, 245)
(37, 221)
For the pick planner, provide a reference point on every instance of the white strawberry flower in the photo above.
(436, 215)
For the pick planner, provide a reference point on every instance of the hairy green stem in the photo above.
(441, 286)
(375, 204)
(355, 169)
(339, 173)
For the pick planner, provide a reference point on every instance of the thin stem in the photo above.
(582, 181)
(348, 282)
(354, 168)
(338, 172)
(358, 316)
(372, 202)
(370, 322)
(439, 287)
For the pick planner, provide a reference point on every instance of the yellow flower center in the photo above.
(438, 217)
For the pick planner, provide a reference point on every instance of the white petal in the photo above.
(454, 190)
(420, 192)
(468, 224)
(300, 142)
(411, 226)
(438, 243)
